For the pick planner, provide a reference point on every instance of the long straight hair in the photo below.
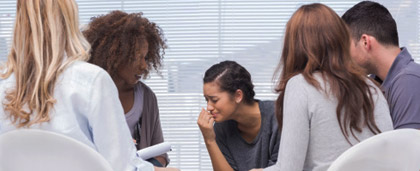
(318, 41)
(46, 40)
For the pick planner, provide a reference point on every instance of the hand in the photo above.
(166, 169)
(256, 170)
(205, 122)
(161, 160)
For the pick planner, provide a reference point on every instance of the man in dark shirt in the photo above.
(375, 47)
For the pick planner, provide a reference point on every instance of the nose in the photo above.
(210, 107)
(143, 65)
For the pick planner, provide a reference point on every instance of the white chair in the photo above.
(397, 150)
(38, 150)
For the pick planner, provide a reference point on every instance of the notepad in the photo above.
(155, 150)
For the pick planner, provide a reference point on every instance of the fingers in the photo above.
(200, 117)
(204, 118)
(211, 120)
(205, 123)
(202, 114)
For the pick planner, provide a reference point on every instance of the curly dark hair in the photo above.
(114, 38)
(231, 76)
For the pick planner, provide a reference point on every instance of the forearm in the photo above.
(161, 160)
(217, 159)
(157, 139)
(165, 169)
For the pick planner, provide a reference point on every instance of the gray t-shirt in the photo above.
(311, 138)
(133, 116)
(261, 152)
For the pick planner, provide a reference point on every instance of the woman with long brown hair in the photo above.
(326, 102)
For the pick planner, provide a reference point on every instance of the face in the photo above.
(219, 103)
(358, 53)
(130, 74)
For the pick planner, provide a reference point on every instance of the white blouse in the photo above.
(87, 109)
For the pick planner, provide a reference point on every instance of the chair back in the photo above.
(397, 150)
(38, 150)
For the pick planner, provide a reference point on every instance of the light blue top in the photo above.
(87, 109)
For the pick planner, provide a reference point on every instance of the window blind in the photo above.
(201, 33)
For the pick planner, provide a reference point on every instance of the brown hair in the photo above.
(317, 40)
(116, 36)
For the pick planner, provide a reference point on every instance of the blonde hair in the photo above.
(46, 40)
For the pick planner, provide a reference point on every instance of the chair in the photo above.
(38, 150)
(397, 150)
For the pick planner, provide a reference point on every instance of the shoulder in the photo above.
(297, 79)
(267, 107)
(412, 72)
(266, 103)
(83, 80)
(84, 68)
(408, 79)
(404, 89)
(298, 84)
(411, 69)
(83, 74)
(147, 92)
(146, 89)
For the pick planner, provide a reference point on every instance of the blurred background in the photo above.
(201, 33)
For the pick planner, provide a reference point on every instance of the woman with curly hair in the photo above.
(47, 84)
(128, 46)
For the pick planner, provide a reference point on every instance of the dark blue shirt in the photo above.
(402, 90)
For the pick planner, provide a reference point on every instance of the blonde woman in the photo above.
(46, 84)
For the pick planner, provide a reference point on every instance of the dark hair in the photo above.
(318, 41)
(373, 19)
(231, 76)
(115, 37)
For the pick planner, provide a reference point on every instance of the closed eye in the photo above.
(214, 100)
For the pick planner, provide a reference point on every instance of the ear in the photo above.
(366, 42)
(239, 95)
